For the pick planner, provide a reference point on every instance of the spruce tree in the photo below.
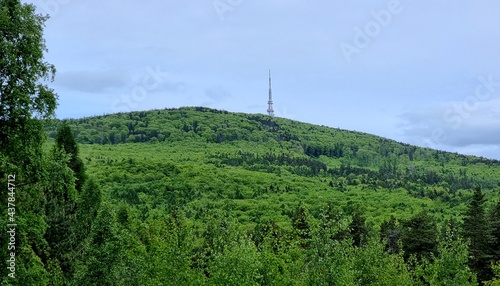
(419, 236)
(88, 203)
(358, 229)
(476, 229)
(494, 218)
(300, 224)
(60, 212)
(390, 232)
(66, 141)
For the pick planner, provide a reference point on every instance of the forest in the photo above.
(199, 196)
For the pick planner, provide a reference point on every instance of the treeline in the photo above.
(301, 166)
(419, 181)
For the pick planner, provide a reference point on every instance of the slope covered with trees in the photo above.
(248, 184)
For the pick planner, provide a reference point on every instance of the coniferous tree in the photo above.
(101, 254)
(390, 233)
(60, 212)
(419, 236)
(69, 224)
(300, 224)
(358, 229)
(476, 229)
(88, 203)
(66, 141)
(494, 219)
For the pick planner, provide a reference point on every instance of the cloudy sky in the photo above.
(421, 72)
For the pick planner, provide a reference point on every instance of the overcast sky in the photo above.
(420, 72)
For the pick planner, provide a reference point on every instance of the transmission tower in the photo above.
(270, 110)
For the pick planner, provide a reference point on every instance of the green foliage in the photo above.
(88, 203)
(496, 280)
(450, 267)
(358, 229)
(169, 245)
(254, 170)
(23, 101)
(238, 264)
(390, 233)
(375, 267)
(301, 225)
(22, 97)
(111, 256)
(60, 211)
(213, 199)
(476, 229)
(419, 236)
(66, 142)
(494, 224)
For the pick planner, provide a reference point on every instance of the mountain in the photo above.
(261, 167)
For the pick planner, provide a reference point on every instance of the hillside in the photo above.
(262, 166)
(197, 196)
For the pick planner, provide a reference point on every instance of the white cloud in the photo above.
(459, 125)
(92, 81)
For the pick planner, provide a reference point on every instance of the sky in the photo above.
(421, 72)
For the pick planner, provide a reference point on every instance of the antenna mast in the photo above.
(270, 110)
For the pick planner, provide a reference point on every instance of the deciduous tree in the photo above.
(24, 100)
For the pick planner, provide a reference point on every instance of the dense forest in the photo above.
(198, 196)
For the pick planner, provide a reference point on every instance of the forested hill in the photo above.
(209, 197)
(305, 149)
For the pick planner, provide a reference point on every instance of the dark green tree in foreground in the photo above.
(301, 225)
(69, 208)
(494, 218)
(66, 141)
(358, 229)
(22, 98)
(390, 233)
(419, 236)
(476, 229)
(23, 101)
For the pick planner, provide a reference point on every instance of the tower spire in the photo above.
(270, 110)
